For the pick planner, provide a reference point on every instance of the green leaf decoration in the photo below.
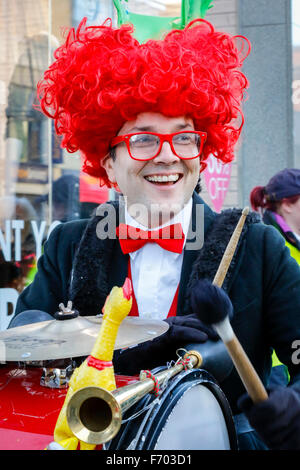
(192, 9)
(154, 27)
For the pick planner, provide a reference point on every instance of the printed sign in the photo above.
(217, 178)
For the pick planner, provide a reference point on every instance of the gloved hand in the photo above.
(277, 419)
(182, 330)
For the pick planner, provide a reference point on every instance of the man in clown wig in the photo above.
(145, 117)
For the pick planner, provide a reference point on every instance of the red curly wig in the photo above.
(102, 76)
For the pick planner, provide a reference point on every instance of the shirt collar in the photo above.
(183, 217)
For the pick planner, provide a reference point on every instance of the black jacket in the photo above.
(263, 283)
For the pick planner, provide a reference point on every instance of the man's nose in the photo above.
(166, 155)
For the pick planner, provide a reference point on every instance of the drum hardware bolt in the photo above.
(66, 313)
(54, 377)
(67, 309)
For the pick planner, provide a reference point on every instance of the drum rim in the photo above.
(151, 424)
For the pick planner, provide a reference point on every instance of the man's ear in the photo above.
(108, 165)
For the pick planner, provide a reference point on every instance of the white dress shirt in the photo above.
(156, 272)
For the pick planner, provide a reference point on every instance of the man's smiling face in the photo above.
(166, 180)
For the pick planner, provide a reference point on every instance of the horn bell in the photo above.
(94, 415)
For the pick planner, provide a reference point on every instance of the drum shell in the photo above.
(29, 411)
(142, 432)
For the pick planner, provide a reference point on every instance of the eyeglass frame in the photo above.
(163, 138)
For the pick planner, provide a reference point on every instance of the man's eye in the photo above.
(143, 139)
(183, 139)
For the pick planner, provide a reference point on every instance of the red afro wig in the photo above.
(102, 76)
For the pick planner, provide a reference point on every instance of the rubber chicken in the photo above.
(97, 369)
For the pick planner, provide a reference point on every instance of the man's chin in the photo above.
(161, 212)
(154, 213)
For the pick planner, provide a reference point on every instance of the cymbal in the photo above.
(60, 339)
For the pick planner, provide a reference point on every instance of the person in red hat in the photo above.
(279, 204)
(145, 118)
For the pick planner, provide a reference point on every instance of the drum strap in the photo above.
(134, 312)
(242, 424)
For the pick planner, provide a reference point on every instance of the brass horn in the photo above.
(94, 414)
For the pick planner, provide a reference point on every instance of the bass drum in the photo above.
(192, 413)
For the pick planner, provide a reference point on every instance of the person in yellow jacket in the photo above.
(279, 204)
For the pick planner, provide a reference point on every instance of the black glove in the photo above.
(277, 419)
(182, 330)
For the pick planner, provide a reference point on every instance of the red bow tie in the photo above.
(170, 238)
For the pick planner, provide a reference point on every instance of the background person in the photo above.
(279, 204)
(65, 198)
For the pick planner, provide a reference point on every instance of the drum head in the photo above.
(188, 428)
(192, 414)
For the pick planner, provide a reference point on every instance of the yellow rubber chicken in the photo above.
(97, 369)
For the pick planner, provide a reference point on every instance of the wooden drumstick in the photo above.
(230, 250)
(245, 369)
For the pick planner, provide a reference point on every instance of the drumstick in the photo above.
(220, 322)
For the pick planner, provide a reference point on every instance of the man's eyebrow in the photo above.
(182, 126)
(141, 129)
(151, 128)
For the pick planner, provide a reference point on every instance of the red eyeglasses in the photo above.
(147, 145)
